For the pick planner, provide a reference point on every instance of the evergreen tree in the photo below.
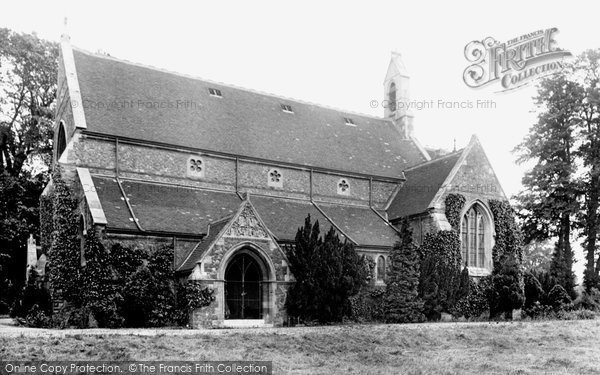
(402, 302)
(100, 294)
(507, 275)
(439, 280)
(549, 203)
(327, 272)
(587, 73)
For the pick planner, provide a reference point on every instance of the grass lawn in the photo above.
(571, 347)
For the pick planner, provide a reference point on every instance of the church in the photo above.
(226, 175)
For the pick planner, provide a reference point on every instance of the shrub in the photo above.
(533, 290)
(559, 298)
(34, 298)
(507, 276)
(588, 300)
(100, 293)
(368, 305)
(38, 318)
(475, 303)
(402, 302)
(327, 271)
(440, 272)
(191, 295)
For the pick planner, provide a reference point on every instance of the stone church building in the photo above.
(227, 175)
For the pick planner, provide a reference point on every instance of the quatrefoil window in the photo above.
(195, 167)
(275, 179)
(343, 187)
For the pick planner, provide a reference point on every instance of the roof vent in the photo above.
(287, 108)
(349, 121)
(215, 92)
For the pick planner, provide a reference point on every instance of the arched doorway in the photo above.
(244, 287)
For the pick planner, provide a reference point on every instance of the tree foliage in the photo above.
(402, 301)
(507, 275)
(327, 272)
(562, 190)
(28, 67)
(439, 282)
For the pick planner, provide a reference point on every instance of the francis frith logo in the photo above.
(514, 63)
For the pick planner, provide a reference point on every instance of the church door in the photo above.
(243, 297)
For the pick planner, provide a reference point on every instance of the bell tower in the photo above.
(396, 95)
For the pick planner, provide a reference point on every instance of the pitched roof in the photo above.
(283, 217)
(128, 100)
(422, 183)
(163, 208)
(361, 224)
(195, 255)
(114, 206)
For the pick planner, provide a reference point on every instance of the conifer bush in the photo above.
(439, 282)
(402, 301)
(327, 271)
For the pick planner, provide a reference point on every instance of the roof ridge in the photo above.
(458, 152)
(190, 76)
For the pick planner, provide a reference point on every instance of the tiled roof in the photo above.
(178, 209)
(283, 217)
(421, 185)
(114, 206)
(361, 224)
(132, 101)
(196, 254)
(163, 208)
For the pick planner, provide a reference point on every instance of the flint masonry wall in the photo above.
(159, 164)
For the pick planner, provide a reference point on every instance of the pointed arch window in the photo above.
(475, 237)
(392, 97)
(61, 142)
(380, 269)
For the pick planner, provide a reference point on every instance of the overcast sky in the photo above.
(332, 53)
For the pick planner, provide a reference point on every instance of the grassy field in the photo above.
(571, 347)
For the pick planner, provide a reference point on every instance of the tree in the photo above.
(402, 301)
(507, 275)
(99, 292)
(537, 255)
(549, 204)
(28, 67)
(439, 282)
(28, 88)
(587, 74)
(327, 272)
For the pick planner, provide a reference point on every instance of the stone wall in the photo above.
(153, 163)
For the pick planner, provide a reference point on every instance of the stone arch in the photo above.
(489, 233)
(267, 269)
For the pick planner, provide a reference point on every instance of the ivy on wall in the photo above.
(64, 253)
(439, 281)
(46, 221)
(454, 204)
(507, 276)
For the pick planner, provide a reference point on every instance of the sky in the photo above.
(333, 53)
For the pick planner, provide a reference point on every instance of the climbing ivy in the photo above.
(454, 204)
(507, 276)
(439, 281)
(46, 221)
(64, 254)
